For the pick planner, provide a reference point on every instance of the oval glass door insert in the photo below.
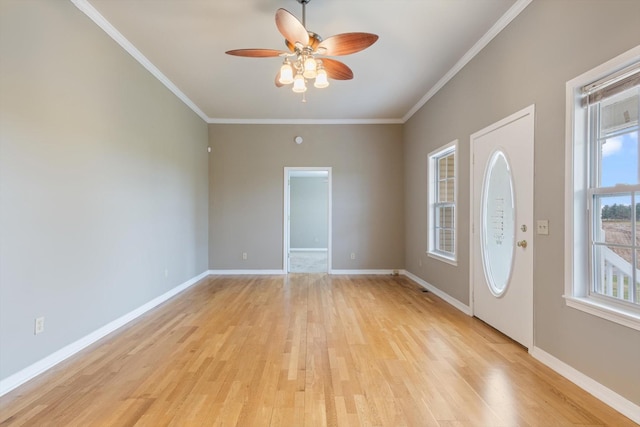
(497, 223)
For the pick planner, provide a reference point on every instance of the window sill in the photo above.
(443, 258)
(621, 316)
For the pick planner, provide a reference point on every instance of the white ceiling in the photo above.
(422, 44)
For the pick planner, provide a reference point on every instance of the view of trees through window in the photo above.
(616, 197)
(619, 212)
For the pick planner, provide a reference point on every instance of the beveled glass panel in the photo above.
(498, 223)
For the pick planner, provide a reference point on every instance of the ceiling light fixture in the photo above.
(306, 56)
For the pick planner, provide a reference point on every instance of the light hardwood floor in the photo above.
(304, 350)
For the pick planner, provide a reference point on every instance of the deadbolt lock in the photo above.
(523, 228)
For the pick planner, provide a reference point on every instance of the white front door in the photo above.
(502, 225)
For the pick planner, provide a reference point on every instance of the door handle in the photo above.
(522, 244)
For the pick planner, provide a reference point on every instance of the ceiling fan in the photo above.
(306, 57)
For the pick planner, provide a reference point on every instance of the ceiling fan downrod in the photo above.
(304, 11)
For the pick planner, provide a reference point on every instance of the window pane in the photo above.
(613, 225)
(451, 166)
(637, 218)
(442, 168)
(445, 240)
(442, 186)
(445, 217)
(619, 112)
(619, 160)
(634, 293)
(445, 191)
(613, 271)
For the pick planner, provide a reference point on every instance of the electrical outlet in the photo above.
(166, 272)
(353, 255)
(38, 326)
(244, 255)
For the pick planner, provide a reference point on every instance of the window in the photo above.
(442, 216)
(602, 214)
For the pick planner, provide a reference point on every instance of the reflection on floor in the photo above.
(308, 261)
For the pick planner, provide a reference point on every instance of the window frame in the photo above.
(433, 173)
(577, 274)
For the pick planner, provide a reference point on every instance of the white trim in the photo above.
(432, 172)
(576, 277)
(305, 121)
(500, 25)
(102, 22)
(605, 394)
(362, 272)
(21, 377)
(286, 211)
(440, 294)
(442, 258)
(246, 272)
(108, 28)
(609, 312)
(309, 249)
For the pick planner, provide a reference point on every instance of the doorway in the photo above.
(502, 225)
(307, 220)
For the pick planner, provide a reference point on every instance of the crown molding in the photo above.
(106, 26)
(504, 20)
(306, 121)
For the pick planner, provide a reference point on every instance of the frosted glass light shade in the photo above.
(310, 68)
(321, 79)
(286, 74)
(298, 84)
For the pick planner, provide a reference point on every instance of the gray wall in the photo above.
(246, 192)
(308, 212)
(529, 62)
(103, 182)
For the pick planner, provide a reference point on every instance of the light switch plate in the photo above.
(542, 226)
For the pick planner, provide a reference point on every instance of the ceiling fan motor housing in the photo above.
(314, 41)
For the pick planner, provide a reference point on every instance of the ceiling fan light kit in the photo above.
(306, 58)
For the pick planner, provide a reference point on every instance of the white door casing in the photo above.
(287, 213)
(502, 225)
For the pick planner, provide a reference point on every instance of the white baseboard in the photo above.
(21, 377)
(246, 272)
(309, 249)
(360, 272)
(440, 294)
(605, 394)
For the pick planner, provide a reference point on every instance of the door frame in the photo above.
(287, 214)
(530, 110)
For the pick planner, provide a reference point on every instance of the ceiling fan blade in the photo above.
(337, 70)
(345, 44)
(255, 53)
(291, 28)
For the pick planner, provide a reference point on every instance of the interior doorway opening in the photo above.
(307, 220)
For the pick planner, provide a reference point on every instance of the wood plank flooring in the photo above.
(304, 350)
